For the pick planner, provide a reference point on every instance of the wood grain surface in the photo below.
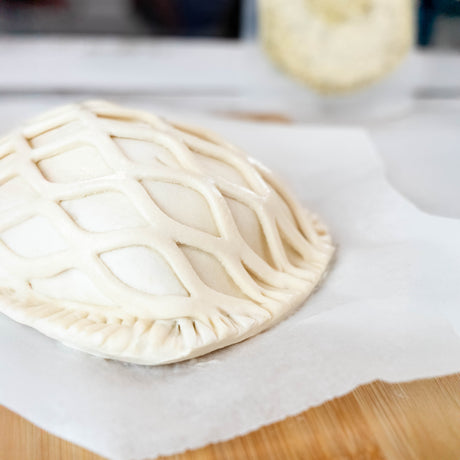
(414, 420)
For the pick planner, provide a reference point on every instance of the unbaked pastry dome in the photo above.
(133, 238)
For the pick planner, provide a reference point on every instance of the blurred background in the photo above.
(144, 53)
(438, 21)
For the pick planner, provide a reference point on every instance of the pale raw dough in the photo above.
(337, 45)
(141, 240)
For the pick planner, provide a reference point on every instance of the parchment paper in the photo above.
(388, 310)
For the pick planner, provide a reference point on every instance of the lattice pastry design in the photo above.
(133, 238)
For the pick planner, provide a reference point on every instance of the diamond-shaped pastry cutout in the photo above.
(143, 269)
(70, 285)
(213, 167)
(211, 271)
(294, 256)
(103, 212)
(15, 193)
(35, 237)
(76, 164)
(183, 204)
(283, 206)
(148, 153)
(250, 228)
(54, 134)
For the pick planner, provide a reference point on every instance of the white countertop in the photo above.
(413, 116)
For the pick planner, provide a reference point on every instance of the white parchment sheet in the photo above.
(388, 310)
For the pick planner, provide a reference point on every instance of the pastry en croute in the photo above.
(142, 240)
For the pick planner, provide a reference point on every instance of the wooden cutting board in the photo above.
(418, 420)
